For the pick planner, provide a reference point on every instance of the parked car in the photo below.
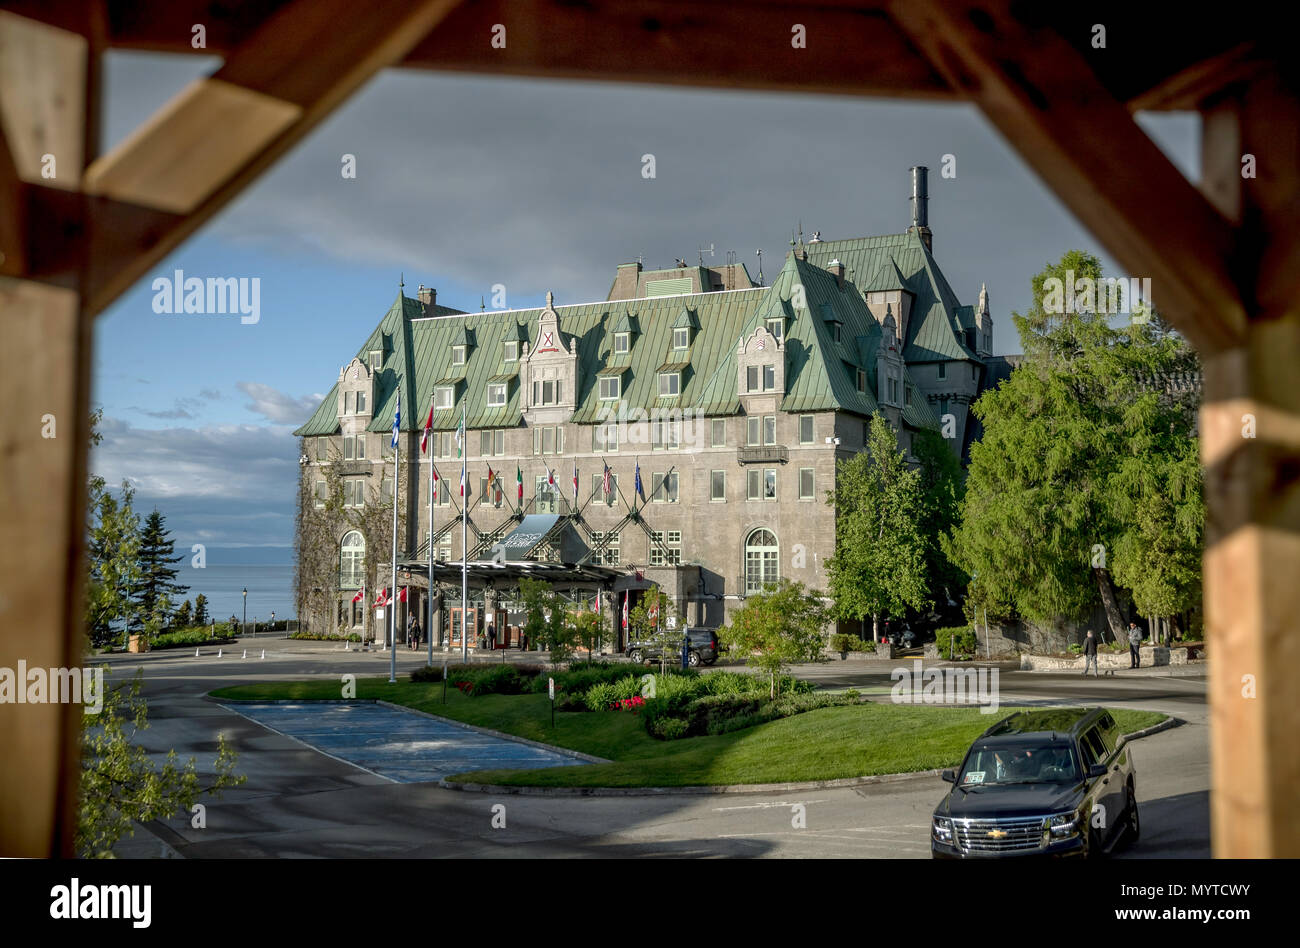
(1056, 782)
(704, 648)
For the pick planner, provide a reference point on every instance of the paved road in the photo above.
(301, 803)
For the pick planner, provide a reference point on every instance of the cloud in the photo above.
(211, 394)
(232, 485)
(167, 413)
(276, 406)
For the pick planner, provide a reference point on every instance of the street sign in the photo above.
(550, 687)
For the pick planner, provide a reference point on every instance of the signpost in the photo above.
(444, 679)
(550, 689)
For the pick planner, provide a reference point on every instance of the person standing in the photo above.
(491, 636)
(413, 633)
(1134, 644)
(1090, 654)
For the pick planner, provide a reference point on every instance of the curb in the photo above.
(1164, 725)
(682, 791)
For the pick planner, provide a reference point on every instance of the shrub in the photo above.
(1076, 649)
(959, 638)
(567, 701)
(720, 714)
(667, 729)
(842, 642)
(195, 635)
(325, 637)
(582, 676)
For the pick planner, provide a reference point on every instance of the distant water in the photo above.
(269, 588)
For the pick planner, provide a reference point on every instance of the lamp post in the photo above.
(244, 628)
(272, 626)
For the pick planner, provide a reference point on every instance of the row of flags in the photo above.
(383, 599)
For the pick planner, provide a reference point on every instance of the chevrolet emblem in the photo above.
(997, 834)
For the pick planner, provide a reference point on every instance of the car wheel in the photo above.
(694, 659)
(636, 656)
(1131, 818)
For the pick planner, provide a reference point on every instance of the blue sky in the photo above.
(465, 182)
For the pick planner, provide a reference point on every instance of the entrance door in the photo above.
(471, 622)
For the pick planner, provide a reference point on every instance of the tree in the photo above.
(653, 620)
(879, 566)
(942, 488)
(120, 784)
(184, 616)
(201, 616)
(1061, 489)
(589, 630)
(113, 555)
(157, 574)
(547, 623)
(777, 628)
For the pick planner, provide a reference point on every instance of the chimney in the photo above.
(427, 295)
(920, 205)
(837, 268)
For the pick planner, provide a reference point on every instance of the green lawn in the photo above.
(825, 744)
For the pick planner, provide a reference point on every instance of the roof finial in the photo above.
(482, 304)
(401, 281)
(550, 300)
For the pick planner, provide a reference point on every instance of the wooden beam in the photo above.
(43, 439)
(288, 76)
(1041, 94)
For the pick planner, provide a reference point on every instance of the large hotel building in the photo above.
(734, 401)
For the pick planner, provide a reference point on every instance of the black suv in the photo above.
(704, 648)
(1055, 782)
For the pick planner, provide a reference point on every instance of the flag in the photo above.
(462, 479)
(550, 479)
(382, 598)
(575, 482)
(491, 477)
(460, 437)
(595, 604)
(361, 594)
(625, 598)
(428, 429)
(519, 482)
(401, 596)
(397, 419)
(436, 480)
(639, 489)
(607, 482)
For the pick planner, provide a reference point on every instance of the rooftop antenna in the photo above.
(640, 259)
(482, 303)
(401, 281)
(703, 251)
(759, 251)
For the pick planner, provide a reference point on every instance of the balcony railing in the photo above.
(763, 454)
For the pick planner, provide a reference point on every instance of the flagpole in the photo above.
(428, 628)
(392, 601)
(464, 543)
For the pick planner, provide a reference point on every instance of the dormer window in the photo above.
(361, 403)
(610, 387)
(496, 394)
(444, 396)
(670, 383)
(836, 333)
(681, 338)
(622, 342)
(458, 355)
(347, 403)
(510, 351)
(546, 392)
(862, 380)
(376, 359)
(760, 378)
(776, 327)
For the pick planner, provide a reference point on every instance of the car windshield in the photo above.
(1002, 764)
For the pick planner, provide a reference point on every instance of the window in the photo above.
(376, 359)
(907, 396)
(347, 403)
(718, 486)
(775, 326)
(681, 338)
(670, 383)
(719, 432)
(805, 483)
(354, 447)
(354, 492)
(457, 355)
(547, 392)
(444, 492)
(491, 494)
(496, 394)
(444, 551)
(973, 374)
(862, 380)
(762, 560)
(754, 485)
(754, 432)
(836, 333)
(609, 556)
(546, 499)
(943, 371)
(510, 352)
(361, 403)
(444, 396)
(805, 429)
(610, 387)
(598, 488)
(893, 391)
(322, 493)
(769, 484)
(360, 452)
(352, 558)
(622, 342)
(751, 378)
(492, 442)
(943, 407)
(663, 488)
(322, 448)
(672, 435)
(769, 378)
(666, 548)
(769, 429)
(604, 438)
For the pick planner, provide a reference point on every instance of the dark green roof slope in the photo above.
(934, 330)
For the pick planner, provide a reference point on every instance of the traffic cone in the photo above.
(196, 653)
(245, 655)
(264, 653)
(219, 651)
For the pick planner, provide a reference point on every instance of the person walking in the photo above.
(1090, 654)
(1134, 645)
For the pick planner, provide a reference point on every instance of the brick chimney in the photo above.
(427, 295)
(837, 268)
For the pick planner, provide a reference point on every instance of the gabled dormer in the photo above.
(834, 324)
(888, 289)
(356, 392)
(684, 329)
(548, 373)
(513, 344)
(623, 335)
(890, 380)
(462, 342)
(760, 366)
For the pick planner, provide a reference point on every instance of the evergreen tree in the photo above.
(201, 616)
(157, 574)
(879, 566)
(113, 553)
(942, 488)
(183, 616)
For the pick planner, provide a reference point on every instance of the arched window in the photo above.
(351, 560)
(762, 561)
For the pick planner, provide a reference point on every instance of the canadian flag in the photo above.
(625, 598)
(401, 596)
(382, 598)
(428, 427)
(361, 594)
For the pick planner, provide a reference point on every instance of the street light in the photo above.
(272, 628)
(244, 628)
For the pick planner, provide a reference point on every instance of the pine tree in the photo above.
(113, 553)
(201, 616)
(157, 575)
(183, 616)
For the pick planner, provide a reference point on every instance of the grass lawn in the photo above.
(825, 744)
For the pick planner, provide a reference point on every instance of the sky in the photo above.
(463, 183)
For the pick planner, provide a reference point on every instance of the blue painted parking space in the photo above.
(402, 745)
